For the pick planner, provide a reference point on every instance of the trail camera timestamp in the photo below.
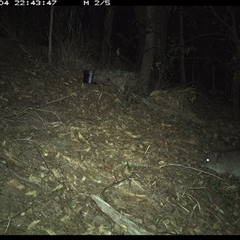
(34, 3)
(22, 3)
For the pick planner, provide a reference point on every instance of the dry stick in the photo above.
(118, 218)
(144, 155)
(59, 99)
(43, 110)
(170, 164)
(21, 111)
(38, 109)
(183, 166)
(15, 114)
(41, 120)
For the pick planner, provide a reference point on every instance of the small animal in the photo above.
(223, 162)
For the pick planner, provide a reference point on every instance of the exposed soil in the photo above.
(67, 146)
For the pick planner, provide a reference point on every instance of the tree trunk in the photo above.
(147, 61)
(160, 43)
(140, 13)
(182, 58)
(50, 36)
(107, 35)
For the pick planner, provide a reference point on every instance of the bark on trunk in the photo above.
(147, 61)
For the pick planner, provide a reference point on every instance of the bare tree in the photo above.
(107, 34)
(182, 59)
(147, 60)
(50, 36)
(140, 13)
(152, 37)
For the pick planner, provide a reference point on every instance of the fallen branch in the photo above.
(118, 218)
